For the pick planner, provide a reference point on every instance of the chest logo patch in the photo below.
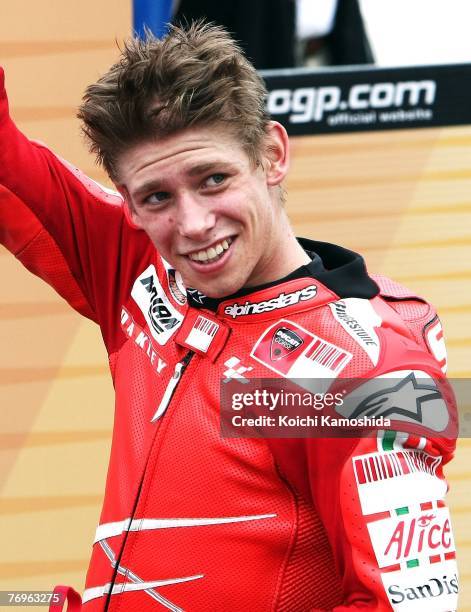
(294, 352)
(284, 342)
(161, 316)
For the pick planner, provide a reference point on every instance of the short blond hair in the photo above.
(195, 76)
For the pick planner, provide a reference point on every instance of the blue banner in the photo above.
(153, 14)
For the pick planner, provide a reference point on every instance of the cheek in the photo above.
(261, 214)
(161, 231)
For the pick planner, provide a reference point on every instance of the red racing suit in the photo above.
(195, 520)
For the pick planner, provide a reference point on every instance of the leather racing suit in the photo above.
(194, 520)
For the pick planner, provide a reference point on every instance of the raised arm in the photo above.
(50, 212)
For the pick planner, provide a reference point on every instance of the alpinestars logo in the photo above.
(281, 301)
(284, 342)
(396, 400)
(196, 295)
(161, 316)
(410, 396)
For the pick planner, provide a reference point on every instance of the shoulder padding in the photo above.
(418, 315)
(391, 289)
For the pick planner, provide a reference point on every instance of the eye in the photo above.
(215, 179)
(157, 197)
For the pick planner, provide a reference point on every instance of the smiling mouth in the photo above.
(211, 254)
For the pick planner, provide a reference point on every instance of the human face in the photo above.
(211, 213)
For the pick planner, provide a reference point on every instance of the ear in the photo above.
(276, 153)
(129, 212)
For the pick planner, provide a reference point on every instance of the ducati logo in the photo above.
(283, 343)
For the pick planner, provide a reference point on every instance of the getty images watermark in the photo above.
(411, 401)
(278, 405)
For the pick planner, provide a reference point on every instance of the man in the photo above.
(193, 520)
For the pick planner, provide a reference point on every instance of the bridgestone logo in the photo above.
(281, 301)
(307, 104)
(352, 323)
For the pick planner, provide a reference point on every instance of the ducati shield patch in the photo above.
(284, 342)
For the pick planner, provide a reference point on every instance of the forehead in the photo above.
(187, 151)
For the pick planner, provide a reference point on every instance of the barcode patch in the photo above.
(328, 355)
(206, 326)
(202, 334)
(382, 466)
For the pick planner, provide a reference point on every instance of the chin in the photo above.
(219, 291)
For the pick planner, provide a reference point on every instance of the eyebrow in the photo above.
(149, 186)
(156, 184)
(207, 167)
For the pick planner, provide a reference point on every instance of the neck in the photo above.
(283, 257)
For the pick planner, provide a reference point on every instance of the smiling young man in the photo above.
(210, 210)
(193, 520)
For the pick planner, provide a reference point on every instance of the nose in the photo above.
(195, 217)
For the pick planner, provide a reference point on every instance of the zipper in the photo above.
(165, 401)
(171, 386)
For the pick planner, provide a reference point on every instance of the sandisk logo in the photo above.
(281, 301)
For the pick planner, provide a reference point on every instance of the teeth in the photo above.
(211, 253)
